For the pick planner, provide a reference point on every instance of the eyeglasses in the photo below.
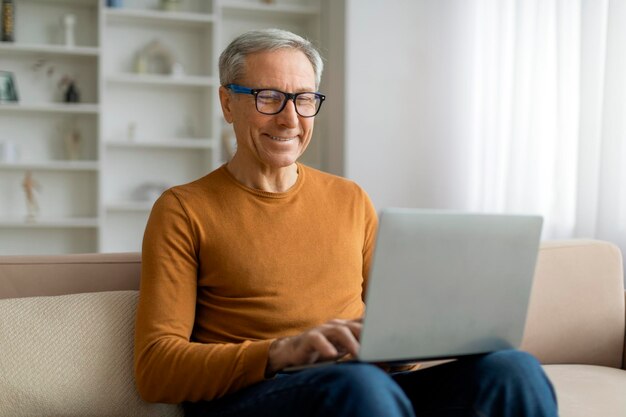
(273, 101)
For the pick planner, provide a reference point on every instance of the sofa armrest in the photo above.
(36, 275)
(576, 311)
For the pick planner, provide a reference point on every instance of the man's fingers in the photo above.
(344, 338)
(343, 334)
(328, 341)
(355, 326)
(318, 342)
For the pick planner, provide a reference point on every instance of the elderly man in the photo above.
(262, 264)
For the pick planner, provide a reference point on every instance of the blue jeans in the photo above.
(503, 384)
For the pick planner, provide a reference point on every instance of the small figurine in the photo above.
(30, 186)
(72, 141)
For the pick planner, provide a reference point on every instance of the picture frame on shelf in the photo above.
(8, 87)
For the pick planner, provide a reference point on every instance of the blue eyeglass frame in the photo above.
(239, 89)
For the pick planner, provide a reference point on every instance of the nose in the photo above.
(288, 117)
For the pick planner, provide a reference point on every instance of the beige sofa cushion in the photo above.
(588, 390)
(576, 312)
(71, 355)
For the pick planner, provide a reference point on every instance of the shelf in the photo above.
(157, 16)
(164, 80)
(67, 222)
(91, 4)
(176, 143)
(294, 10)
(51, 108)
(17, 48)
(138, 206)
(101, 203)
(52, 166)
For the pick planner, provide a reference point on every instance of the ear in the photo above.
(226, 102)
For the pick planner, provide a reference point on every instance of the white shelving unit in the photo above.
(141, 129)
(150, 119)
(37, 125)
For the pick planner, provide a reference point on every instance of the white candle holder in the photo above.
(69, 22)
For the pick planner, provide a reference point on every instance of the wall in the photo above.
(407, 85)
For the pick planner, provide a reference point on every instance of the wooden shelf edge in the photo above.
(167, 144)
(79, 108)
(52, 166)
(43, 222)
(117, 14)
(50, 49)
(292, 9)
(129, 206)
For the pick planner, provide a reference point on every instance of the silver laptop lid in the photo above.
(447, 284)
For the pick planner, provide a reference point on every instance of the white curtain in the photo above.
(549, 114)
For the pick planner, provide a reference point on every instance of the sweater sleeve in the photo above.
(168, 366)
(371, 227)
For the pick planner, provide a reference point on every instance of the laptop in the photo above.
(447, 284)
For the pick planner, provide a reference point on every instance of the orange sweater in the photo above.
(226, 269)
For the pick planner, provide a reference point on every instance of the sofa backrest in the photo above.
(29, 276)
(576, 312)
(71, 356)
(66, 337)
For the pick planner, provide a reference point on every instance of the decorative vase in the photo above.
(68, 22)
(8, 21)
(72, 95)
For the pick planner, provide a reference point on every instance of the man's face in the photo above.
(267, 142)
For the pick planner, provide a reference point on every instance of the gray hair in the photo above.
(233, 58)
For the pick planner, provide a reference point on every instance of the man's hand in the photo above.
(331, 340)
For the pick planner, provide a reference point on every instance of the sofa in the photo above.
(66, 332)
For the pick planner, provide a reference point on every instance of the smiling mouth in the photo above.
(282, 139)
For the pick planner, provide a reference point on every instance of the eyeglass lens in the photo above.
(272, 102)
